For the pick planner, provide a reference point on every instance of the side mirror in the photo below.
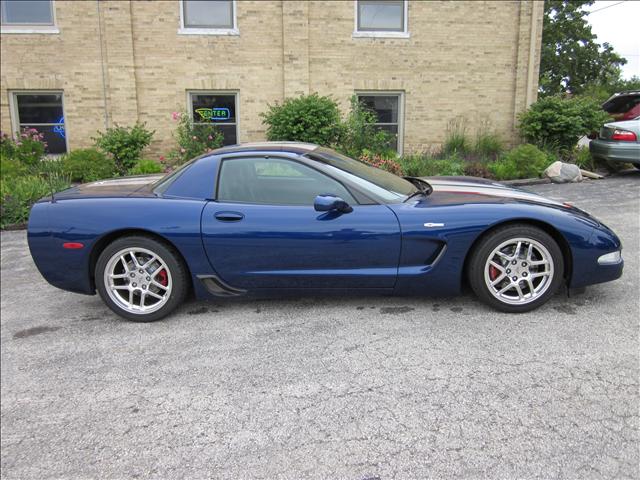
(331, 203)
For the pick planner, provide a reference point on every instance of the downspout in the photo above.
(103, 67)
(532, 52)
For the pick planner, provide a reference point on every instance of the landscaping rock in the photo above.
(559, 172)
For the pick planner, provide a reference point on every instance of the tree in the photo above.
(572, 59)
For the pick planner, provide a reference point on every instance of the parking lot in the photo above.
(356, 388)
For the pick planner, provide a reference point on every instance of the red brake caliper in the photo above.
(162, 277)
(493, 272)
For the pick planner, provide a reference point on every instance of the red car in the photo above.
(623, 105)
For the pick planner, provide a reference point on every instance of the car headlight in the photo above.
(610, 258)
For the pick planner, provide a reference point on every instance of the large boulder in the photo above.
(559, 172)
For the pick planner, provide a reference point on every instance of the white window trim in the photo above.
(15, 117)
(381, 33)
(27, 28)
(390, 93)
(209, 31)
(235, 93)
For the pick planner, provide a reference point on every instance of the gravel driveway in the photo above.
(356, 388)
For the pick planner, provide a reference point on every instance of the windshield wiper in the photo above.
(422, 186)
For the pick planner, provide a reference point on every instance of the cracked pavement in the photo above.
(354, 388)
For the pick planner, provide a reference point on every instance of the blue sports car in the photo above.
(283, 218)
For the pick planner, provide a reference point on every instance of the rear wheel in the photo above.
(516, 268)
(140, 278)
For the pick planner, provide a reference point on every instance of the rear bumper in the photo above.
(626, 152)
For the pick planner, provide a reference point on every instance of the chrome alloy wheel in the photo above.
(518, 271)
(138, 280)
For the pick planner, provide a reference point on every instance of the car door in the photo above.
(262, 231)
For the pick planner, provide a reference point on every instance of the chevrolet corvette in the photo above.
(293, 218)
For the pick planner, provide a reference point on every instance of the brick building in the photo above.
(70, 68)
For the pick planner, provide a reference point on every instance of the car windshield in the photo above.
(399, 187)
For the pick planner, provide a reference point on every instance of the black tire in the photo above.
(180, 278)
(495, 238)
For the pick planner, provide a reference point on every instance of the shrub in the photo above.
(381, 161)
(17, 194)
(359, 135)
(456, 141)
(28, 149)
(124, 144)
(308, 118)
(560, 122)
(477, 169)
(524, 161)
(581, 156)
(11, 167)
(426, 165)
(488, 144)
(88, 165)
(192, 139)
(146, 167)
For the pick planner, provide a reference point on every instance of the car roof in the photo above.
(292, 147)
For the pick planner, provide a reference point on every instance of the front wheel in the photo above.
(516, 268)
(140, 278)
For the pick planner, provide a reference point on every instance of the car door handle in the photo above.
(229, 216)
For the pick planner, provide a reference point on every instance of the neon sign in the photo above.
(59, 129)
(215, 114)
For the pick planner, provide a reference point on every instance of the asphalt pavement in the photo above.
(354, 388)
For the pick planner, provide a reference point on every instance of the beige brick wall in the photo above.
(463, 59)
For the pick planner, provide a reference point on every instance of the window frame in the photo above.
(245, 155)
(31, 28)
(400, 123)
(404, 33)
(14, 115)
(235, 93)
(184, 30)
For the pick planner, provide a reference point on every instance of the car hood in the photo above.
(480, 190)
(139, 186)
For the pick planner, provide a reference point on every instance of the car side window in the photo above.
(275, 181)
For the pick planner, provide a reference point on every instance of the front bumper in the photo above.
(626, 152)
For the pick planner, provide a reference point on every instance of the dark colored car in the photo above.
(294, 218)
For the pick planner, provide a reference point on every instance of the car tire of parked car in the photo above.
(140, 278)
(516, 268)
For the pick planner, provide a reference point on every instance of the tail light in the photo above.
(624, 136)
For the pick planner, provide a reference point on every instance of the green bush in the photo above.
(581, 156)
(17, 194)
(193, 139)
(28, 149)
(88, 165)
(359, 136)
(488, 145)
(560, 122)
(426, 165)
(11, 167)
(524, 161)
(124, 144)
(456, 141)
(146, 167)
(308, 118)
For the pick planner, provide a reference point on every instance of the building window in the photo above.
(389, 115)
(219, 109)
(208, 17)
(27, 16)
(386, 18)
(44, 112)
